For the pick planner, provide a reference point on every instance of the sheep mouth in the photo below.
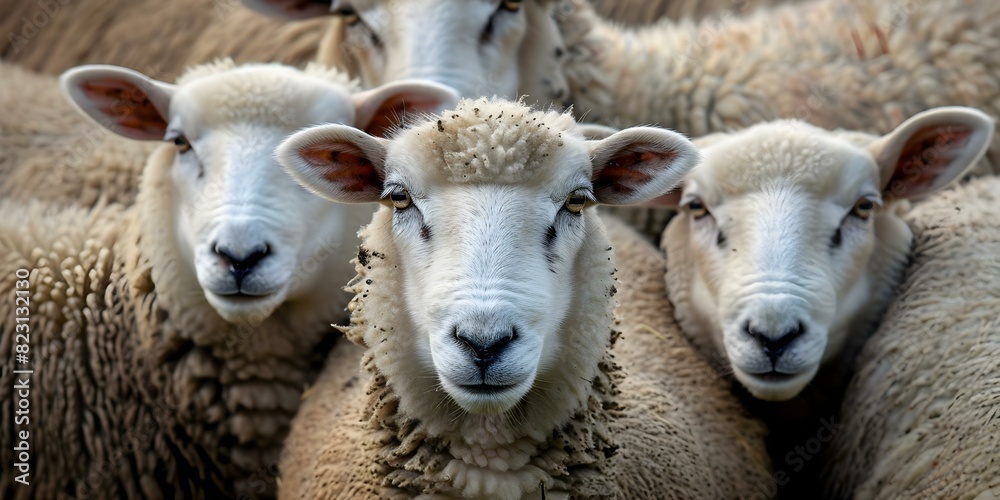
(775, 385)
(243, 296)
(486, 389)
(775, 376)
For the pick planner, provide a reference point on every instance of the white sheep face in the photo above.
(240, 221)
(790, 243)
(487, 275)
(243, 227)
(478, 47)
(489, 220)
(782, 254)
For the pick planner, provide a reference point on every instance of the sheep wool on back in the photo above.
(919, 419)
(852, 64)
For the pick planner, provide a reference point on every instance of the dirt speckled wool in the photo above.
(920, 415)
(655, 420)
(853, 64)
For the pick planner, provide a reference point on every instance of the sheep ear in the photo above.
(639, 164)
(669, 200)
(292, 10)
(123, 101)
(594, 131)
(379, 109)
(930, 150)
(336, 162)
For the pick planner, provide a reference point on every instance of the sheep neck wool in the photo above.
(422, 442)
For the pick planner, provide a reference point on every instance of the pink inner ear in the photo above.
(929, 153)
(127, 105)
(293, 9)
(393, 111)
(669, 200)
(345, 167)
(621, 176)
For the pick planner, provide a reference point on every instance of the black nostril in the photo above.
(485, 351)
(241, 266)
(774, 348)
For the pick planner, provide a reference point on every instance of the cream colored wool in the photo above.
(920, 415)
(641, 12)
(50, 152)
(140, 388)
(154, 37)
(636, 410)
(834, 63)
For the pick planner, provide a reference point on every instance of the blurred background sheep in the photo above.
(60, 35)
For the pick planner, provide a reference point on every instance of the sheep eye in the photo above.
(182, 144)
(575, 202)
(697, 209)
(511, 5)
(348, 14)
(863, 209)
(400, 199)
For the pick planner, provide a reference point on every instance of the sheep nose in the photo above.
(242, 263)
(486, 347)
(774, 345)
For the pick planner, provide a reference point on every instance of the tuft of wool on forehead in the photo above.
(496, 141)
(785, 151)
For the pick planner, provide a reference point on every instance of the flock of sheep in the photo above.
(822, 315)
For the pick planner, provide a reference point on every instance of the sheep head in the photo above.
(491, 211)
(794, 240)
(480, 47)
(241, 226)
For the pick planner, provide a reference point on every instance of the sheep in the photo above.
(50, 152)
(833, 63)
(171, 339)
(53, 36)
(920, 415)
(787, 249)
(789, 239)
(484, 304)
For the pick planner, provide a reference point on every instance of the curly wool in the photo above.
(354, 438)
(833, 63)
(470, 155)
(920, 414)
(140, 389)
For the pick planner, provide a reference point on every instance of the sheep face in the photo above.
(490, 213)
(480, 47)
(241, 226)
(794, 241)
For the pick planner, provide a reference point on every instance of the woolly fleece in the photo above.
(920, 415)
(834, 63)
